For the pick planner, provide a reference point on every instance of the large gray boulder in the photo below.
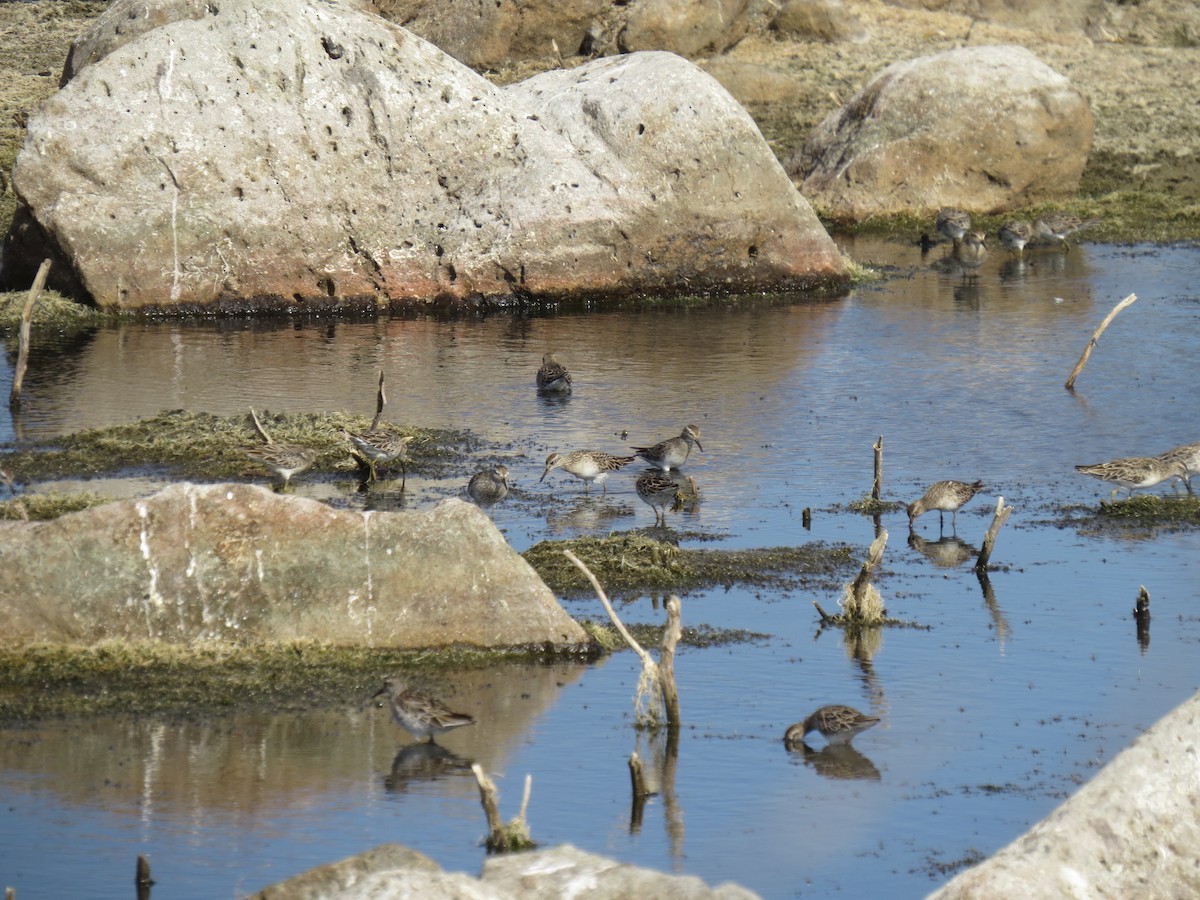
(289, 153)
(240, 562)
(1132, 831)
(819, 20)
(981, 128)
(503, 32)
(490, 35)
(691, 27)
(393, 870)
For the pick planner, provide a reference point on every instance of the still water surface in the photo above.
(1007, 703)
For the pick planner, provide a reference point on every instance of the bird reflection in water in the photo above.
(588, 513)
(840, 762)
(947, 552)
(423, 761)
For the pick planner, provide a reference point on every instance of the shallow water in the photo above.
(1009, 701)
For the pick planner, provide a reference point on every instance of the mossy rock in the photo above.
(202, 445)
(635, 562)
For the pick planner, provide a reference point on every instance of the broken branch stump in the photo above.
(666, 660)
(989, 539)
(656, 677)
(1141, 615)
(503, 838)
(39, 282)
(877, 484)
(862, 603)
(1087, 351)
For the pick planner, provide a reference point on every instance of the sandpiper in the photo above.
(1015, 234)
(285, 460)
(838, 724)
(945, 497)
(659, 491)
(1135, 472)
(953, 223)
(971, 251)
(489, 487)
(419, 713)
(379, 446)
(1187, 455)
(589, 465)
(673, 452)
(1057, 227)
(553, 377)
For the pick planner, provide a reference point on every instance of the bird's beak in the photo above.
(382, 690)
(698, 444)
(544, 474)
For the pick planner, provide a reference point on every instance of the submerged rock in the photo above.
(289, 154)
(242, 563)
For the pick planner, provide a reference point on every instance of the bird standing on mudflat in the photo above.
(952, 223)
(587, 465)
(945, 497)
(419, 713)
(659, 491)
(673, 452)
(1188, 456)
(284, 459)
(1058, 227)
(379, 446)
(971, 251)
(837, 724)
(1135, 472)
(1014, 235)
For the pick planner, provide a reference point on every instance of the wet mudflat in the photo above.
(1015, 693)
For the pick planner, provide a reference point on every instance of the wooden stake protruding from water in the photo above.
(141, 880)
(637, 805)
(1141, 615)
(989, 539)
(142, 877)
(39, 282)
(659, 675)
(666, 660)
(503, 838)
(1087, 351)
(877, 484)
(637, 776)
(863, 604)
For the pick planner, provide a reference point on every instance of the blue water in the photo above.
(992, 715)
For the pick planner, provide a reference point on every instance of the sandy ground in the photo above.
(1144, 98)
(1143, 174)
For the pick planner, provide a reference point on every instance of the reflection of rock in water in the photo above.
(946, 552)
(838, 761)
(423, 761)
(380, 498)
